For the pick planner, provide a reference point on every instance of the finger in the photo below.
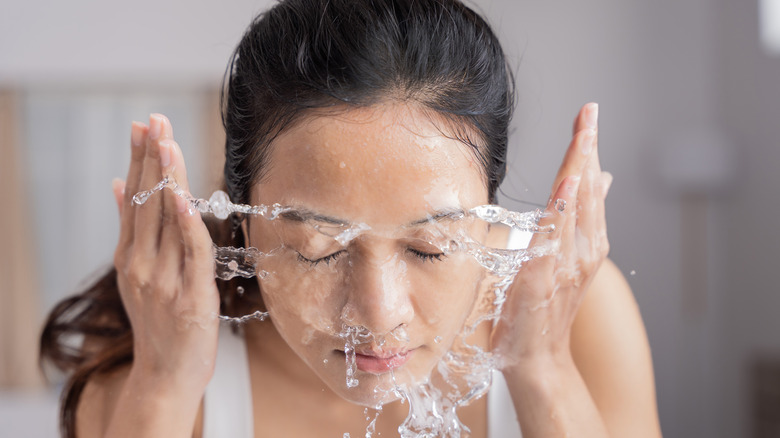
(138, 132)
(178, 167)
(555, 246)
(118, 188)
(595, 223)
(576, 156)
(568, 193)
(586, 118)
(198, 247)
(593, 120)
(590, 199)
(148, 217)
(606, 183)
(171, 250)
(590, 211)
(574, 163)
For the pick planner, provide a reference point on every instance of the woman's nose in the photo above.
(379, 296)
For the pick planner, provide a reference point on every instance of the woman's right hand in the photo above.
(165, 269)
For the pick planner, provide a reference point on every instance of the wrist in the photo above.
(551, 398)
(541, 366)
(153, 406)
(174, 389)
(173, 375)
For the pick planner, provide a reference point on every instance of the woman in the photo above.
(387, 115)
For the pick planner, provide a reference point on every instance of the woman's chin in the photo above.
(369, 398)
(375, 389)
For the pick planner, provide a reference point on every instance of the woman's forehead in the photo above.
(387, 162)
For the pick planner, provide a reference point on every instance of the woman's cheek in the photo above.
(303, 302)
(445, 303)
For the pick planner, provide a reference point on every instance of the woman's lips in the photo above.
(377, 364)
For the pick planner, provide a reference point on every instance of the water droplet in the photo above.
(342, 165)
(437, 339)
(141, 197)
(220, 204)
(240, 290)
(560, 205)
(632, 273)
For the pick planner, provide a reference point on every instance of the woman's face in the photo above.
(388, 173)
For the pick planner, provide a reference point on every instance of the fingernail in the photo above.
(165, 153)
(115, 183)
(136, 134)
(587, 142)
(155, 126)
(592, 115)
(606, 182)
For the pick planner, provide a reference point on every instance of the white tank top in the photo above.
(227, 404)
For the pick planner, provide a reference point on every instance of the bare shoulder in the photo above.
(99, 400)
(610, 347)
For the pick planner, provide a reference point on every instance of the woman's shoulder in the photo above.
(99, 399)
(610, 347)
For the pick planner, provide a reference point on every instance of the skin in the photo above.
(345, 167)
(577, 366)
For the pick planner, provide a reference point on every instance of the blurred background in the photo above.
(689, 92)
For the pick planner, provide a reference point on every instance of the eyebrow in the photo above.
(306, 215)
(298, 214)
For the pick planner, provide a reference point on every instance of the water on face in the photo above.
(464, 373)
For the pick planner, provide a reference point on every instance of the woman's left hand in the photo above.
(535, 324)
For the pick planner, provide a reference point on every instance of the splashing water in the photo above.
(526, 221)
(371, 428)
(464, 373)
(262, 316)
(353, 336)
(219, 204)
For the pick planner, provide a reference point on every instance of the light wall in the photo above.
(748, 108)
(659, 70)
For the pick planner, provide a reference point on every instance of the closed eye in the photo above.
(426, 256)
(327, 259)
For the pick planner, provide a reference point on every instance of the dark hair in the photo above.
(302, 56)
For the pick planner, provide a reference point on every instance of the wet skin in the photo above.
(386, 166)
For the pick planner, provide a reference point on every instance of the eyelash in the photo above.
(424, 256)
(327, 259)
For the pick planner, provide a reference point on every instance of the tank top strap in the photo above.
(502, 419)
(227, 403)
